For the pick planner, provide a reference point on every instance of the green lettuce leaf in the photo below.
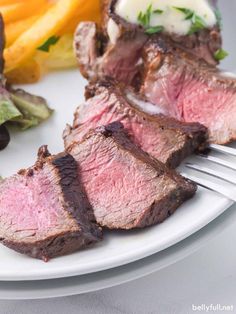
(8, 110)
(24, 123)
(34, 109)
(30, 105)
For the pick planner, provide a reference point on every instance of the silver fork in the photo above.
(228, 190)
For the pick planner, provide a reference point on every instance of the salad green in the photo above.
(22, 109)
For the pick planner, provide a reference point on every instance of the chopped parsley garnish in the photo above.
(154, 29)
(220, 54)
(197, 21)
(187, 12)
(218, 18)
(197, 24)
(48, 43)
(144, 19)
(157, 11)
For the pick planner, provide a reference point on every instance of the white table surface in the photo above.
(206, 277)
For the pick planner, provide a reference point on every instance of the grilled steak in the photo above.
(164, 138)
(118, 53)
(190, 90)
(44, 212)
(203, 44)
(97, 57)
(126, 188)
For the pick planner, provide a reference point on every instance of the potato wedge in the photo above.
(29, 72)
(21, 10)
(46, 26)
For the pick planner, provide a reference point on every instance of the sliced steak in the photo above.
(115, 49)
(190, 90)
(44, 212)
(203, 43)
(164, 138)
(97, 57)
(126, 188)
(86, 45)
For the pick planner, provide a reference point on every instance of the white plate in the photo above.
(120, 275)
(64, 91)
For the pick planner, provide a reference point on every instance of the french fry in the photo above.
(21, 10)
(6, 2)
(29, 72)
(91, 11)
(14, 30)
(46, 26)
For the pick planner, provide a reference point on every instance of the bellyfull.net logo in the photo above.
(212, 308)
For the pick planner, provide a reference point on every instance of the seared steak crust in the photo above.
(203, 44)
(76, 228)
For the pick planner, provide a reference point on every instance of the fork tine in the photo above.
(211, 186)
(223, 149)
(214, 173)
(219, 161)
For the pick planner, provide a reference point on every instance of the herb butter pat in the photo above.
(181, 17)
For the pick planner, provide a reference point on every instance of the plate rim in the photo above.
(120, 275)
(150, 250)
(70, 269)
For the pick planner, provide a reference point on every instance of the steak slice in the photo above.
(115, 49)
(203, 43)
(126, 188)
(44, 212)
(97, 57)
(190, 90)
(164, 138)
